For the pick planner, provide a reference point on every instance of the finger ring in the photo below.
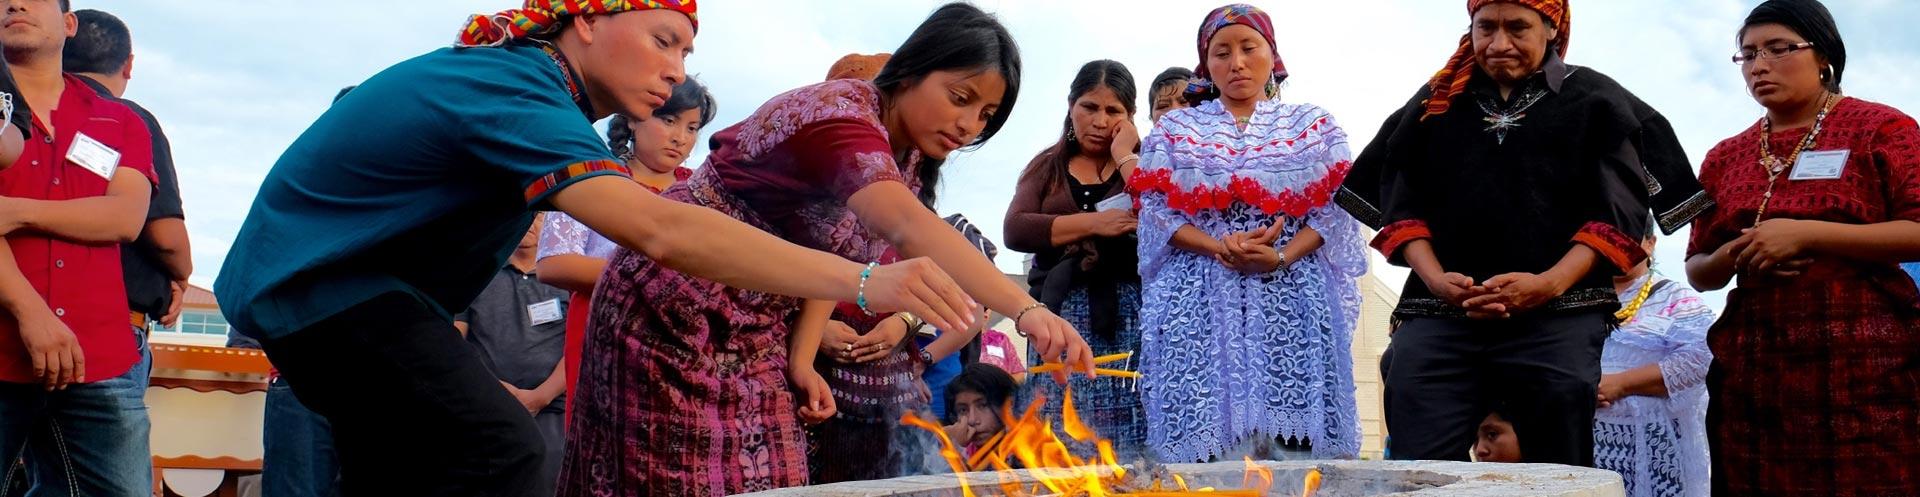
(849, 348)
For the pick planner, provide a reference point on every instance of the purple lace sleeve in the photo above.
(562, 235)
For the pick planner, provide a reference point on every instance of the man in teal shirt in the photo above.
(405, 197)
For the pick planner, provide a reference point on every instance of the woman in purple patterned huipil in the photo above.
(684, 389)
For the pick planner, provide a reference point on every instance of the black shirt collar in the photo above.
(97, 86)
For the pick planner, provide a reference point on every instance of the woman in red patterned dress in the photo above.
(684, 388)
(1816, 385)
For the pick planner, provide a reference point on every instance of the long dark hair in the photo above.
(985, 379)
(687, 95)
(1051, 166)
(956, 37)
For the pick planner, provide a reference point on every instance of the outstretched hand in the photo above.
(1056, 341)
(919, 286)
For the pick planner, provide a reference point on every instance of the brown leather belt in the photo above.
(139, 320)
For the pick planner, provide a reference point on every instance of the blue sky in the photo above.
(235, 82)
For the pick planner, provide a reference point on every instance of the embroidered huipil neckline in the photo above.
(576, 87)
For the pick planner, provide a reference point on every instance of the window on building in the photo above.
(197, 322)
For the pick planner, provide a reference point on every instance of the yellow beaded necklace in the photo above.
(1627, 313)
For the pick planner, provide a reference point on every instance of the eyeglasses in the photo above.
(1771, 52)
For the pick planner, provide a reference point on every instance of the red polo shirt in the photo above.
(80, 282)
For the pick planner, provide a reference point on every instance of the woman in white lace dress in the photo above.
(1651, 425)
(1248, 270)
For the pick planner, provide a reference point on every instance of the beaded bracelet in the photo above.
(1023, 314)
(861, 299)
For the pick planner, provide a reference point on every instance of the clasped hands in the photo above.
(1775, 249)
(1499, 297)
(1252, 252)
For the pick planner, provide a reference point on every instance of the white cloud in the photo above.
(235, 82)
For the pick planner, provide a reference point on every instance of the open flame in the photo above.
(1032, 441)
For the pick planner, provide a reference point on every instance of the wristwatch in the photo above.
(1283, 261)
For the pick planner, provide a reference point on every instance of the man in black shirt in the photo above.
(156, 265)
(1515, 186)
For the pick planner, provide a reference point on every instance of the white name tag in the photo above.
(996, 351)
(1824, 164)
(1114, 203)
(93, 155)
(544, 312)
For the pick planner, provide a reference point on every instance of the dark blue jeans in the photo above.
(89, 440)
(300, 460)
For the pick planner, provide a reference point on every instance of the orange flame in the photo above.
(946, 449)
(1257, 471)
(1312, 483)
(1032, 441)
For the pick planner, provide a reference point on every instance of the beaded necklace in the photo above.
(1774, 166)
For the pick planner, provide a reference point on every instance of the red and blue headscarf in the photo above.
(1240, 14)
(540, 16)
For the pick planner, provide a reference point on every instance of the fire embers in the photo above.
(1031, 442)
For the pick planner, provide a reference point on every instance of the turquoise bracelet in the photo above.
(861, 299)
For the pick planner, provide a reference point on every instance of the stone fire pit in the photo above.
(1340, 479)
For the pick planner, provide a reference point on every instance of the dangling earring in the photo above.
(1069, 135)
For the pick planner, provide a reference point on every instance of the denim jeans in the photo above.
(300, 460)
(89, 440)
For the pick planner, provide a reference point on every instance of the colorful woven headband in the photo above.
(1452, 79)
(1241, 14)
(539, 16)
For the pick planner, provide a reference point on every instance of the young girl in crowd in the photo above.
(571, 255)
(975, 400)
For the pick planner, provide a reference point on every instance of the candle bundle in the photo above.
(1120, 373)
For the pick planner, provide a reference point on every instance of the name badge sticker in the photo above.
(1824, 164)
(544, 312)
(93, 156)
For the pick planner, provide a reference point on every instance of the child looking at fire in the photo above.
(974, 400)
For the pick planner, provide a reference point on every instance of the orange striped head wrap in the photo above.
(537, 17)
(1452, 79)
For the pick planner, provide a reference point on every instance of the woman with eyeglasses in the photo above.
(1816, 385)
